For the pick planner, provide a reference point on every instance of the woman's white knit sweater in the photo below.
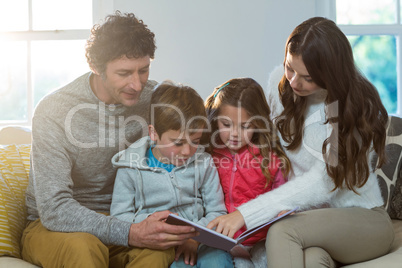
(309, 185)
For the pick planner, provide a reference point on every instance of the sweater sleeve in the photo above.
(312, 188)
(212, 194)
(52, 162)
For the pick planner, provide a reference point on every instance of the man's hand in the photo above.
(154, 233)
(189, 250)
(227, 224)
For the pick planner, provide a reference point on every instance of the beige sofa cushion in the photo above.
(15, 135)
(15, 263)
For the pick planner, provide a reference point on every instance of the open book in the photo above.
(217, 240)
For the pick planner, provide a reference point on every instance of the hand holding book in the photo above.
(220, 240)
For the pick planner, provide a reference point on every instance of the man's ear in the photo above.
(95, 71)
(152, 133)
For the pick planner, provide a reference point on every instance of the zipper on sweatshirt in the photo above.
(175, 186)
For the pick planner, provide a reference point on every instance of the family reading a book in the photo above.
(231, 163)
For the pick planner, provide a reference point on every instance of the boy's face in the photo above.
(174, 146)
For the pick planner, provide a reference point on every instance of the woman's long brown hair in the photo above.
(354, 108)
(246, 93)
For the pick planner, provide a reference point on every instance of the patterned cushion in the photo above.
(389, 173)
(14, 170)
(396, 200)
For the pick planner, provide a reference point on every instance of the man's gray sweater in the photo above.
(74, 136)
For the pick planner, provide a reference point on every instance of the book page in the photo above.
(217, 240)
(207, 236)
(251, 232)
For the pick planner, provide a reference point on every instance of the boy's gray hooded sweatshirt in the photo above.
(192, 190)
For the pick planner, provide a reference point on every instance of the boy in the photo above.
(168, 170)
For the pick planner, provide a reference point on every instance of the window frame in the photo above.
(100, 8)
(376, 29)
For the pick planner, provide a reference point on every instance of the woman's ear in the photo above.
(152, 133)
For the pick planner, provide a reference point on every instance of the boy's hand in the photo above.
(228, 224)
(155, 233)
(189, 251)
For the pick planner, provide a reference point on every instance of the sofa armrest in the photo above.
(6, 261)
(15, 135)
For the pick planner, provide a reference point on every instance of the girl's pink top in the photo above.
(242, 180)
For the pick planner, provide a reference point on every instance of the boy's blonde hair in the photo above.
(176, 107)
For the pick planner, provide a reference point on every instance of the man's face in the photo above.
(123, 80)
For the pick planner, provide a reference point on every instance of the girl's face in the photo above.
(298, 77)
(235, 127)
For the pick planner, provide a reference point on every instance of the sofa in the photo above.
(14, 170)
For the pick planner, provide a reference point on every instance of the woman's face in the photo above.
(298, 77)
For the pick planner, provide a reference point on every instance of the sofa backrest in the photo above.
(15, 135)
(390, 174)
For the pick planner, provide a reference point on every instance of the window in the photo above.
(42, 48)
(374, 29)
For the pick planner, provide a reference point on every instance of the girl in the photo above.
(246, 150)
(330, 120)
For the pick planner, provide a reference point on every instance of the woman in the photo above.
(330, 121)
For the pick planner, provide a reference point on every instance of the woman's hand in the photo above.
(227, 224)
(283, 212)
(189, 250)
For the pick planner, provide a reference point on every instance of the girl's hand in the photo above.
(228, 224)
(189, 251)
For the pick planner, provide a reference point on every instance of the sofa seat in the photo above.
(12, 262)
(393, 259)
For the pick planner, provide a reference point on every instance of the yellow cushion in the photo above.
(14, 170)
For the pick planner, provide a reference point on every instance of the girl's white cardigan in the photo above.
(309, 185)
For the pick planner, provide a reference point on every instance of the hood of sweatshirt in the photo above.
(135, 155)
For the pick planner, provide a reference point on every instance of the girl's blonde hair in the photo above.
(246, 93)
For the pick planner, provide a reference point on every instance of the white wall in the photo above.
(203, 43)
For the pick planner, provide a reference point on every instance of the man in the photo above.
(76, 131)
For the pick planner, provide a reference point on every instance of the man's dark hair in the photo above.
(120, 35)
